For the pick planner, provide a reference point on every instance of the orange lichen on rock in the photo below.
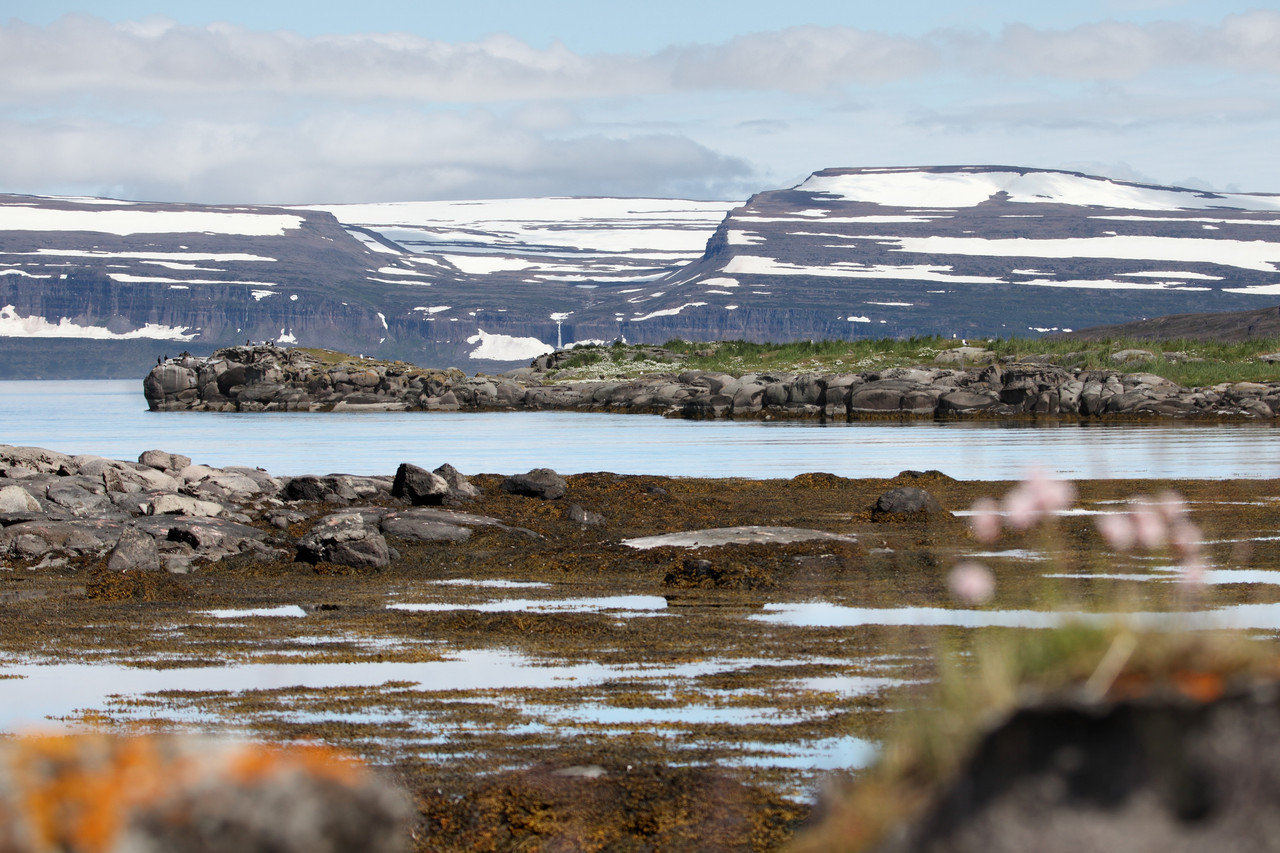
(97, 793)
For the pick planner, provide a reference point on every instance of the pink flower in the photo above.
(1036, 497)
(985, 521)
(1149, 527)
(971, 583)
(1118, 531)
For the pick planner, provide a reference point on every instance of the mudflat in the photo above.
(543, 678)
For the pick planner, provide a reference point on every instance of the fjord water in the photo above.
(110, 418)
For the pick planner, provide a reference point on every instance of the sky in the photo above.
(290, 103)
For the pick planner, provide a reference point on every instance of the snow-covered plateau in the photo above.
(961, 250)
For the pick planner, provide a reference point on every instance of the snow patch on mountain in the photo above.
(972, 186)
(506, 347)
(14, 326)
(15, 217)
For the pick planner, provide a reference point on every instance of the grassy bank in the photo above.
(1186, 362)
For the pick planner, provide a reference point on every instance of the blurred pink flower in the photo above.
(1036, 497)
(1149, 527)
(1118, 531)
(971, 583)
(985, 521)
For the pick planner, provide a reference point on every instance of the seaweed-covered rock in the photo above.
(541, 483)
(906, 502)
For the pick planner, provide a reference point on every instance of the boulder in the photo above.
(460, 488)
(420, 486)
(906, 502)
(136, 551)
(540, 483)
(162, 461)
(319, 489)
(346, 539)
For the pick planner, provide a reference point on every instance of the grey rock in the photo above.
(460, 488)
(747, 535)
(135, 551)
(1126, 356)
(541, 483)
(17, 499)
(905, 502)
(33, 458)
(965, 355)
(345, 539)
(423, 529)
(963, 402)
(182, 505)
(77, 499)
(420, 486)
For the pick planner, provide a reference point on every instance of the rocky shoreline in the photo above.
(165, 513)
(968, 385)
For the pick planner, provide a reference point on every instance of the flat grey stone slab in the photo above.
(734, 536)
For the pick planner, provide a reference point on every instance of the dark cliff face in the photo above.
(849, 253)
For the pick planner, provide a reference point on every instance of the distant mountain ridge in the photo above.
(969, 251)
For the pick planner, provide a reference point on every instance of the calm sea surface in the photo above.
(111, 419)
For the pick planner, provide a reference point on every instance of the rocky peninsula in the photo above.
(965, 382)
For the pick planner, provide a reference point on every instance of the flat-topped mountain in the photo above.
(102, 286)
(975, 251)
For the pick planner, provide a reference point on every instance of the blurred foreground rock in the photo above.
(1159, 773)
(166, 794)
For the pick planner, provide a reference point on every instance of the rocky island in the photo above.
(963, 382)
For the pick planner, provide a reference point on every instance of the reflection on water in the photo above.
(823, 614)
(110, 419)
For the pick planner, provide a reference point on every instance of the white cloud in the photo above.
(79, 54)
(353, 156)
(156, 110)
